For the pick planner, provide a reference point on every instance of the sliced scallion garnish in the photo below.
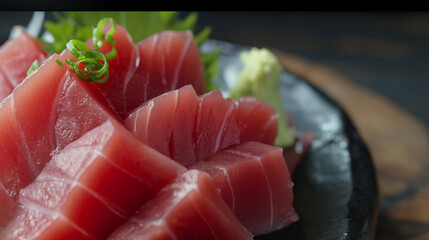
(33, 67)
(98, 36)
(94, 66)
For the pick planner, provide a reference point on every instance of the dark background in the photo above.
(387, 52)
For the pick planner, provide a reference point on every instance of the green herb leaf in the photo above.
(211, 63)
(63, 31)
(210, 60)
(78, 25)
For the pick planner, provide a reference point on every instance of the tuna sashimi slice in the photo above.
(167, 61)
(167, 124)
(216, 125)
(190, 128)
(163, 62)
(121, 68)
(91, 187)
(188, 208)
(260, 128)
(5, 86)
(255, 183)
(16, 56)
(49, 109)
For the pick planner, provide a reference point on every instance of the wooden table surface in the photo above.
(397, 141)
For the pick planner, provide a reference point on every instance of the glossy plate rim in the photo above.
(349, 208)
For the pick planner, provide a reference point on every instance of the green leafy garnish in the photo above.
(98, 37)
(96, 66)
(33, 67)
(78, 25)
(210, 60)
(211, 63)
(95, 70)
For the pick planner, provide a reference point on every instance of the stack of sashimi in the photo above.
(147, 155)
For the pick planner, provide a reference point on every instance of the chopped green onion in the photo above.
(98, 36)
(59, 62)
(33, 67)
(94, 62)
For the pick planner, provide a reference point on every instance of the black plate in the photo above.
(335, 185)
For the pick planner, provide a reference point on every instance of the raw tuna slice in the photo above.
(91, 187)
(5, 86)
(161, 63)
(16, 56)
(167, 61)
(191, 128)
(255, 183)
(187, 209)
(49, 109)
(121, 69)
(260, 127)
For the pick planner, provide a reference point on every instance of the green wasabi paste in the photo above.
(260, 78)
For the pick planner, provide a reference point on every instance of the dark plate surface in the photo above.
(335, 185)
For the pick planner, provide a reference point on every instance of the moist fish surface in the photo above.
(91, 187)
(189, 208)
(16, 56)
(189, 127)
(167, 61)
(255, 182)
(141, 71)
(49, 109)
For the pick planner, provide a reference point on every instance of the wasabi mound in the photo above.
(260, 78)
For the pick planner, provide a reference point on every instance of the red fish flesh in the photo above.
(49, 109)
(190, 208)
(91, 187)
(255, 183)
(190, 128)
(163, 62)
(16, 56)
